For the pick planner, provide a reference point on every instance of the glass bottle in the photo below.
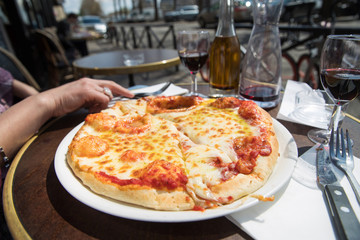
(225, 55)
(261, 73)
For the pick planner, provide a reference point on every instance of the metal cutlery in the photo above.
(146, 94)
(142, 94)
(341, 160)
(342, 214)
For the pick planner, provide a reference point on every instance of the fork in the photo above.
(146, 94)
(142, 94)
(340, 159)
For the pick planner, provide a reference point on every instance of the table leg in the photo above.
(131, 80)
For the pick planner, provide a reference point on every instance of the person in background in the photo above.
(12, 89)
(64, 30)
(19, 122)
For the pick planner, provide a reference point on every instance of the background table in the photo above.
(38, 207)
(112, 63)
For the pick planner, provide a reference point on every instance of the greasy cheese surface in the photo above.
(213, 127)
(212, 131)
(194, 147)
(127, 152)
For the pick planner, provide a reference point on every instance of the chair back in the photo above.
(59, 67)
(52, 48)
(299, 12)
(11, 63)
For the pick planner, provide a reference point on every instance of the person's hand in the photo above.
(85, 92)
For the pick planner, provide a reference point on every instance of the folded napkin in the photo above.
(172, 90)
(299, 210)
(314, 117)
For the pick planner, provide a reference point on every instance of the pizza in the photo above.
(175, 153)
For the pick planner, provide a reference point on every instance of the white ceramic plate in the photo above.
(279, 177)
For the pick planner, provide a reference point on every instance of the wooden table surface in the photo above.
(38, 207)
(112, 62)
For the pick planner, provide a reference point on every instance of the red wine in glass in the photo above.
(260, 93)
(340, 77)
(193, 60)
(342, 84)
(193, 48)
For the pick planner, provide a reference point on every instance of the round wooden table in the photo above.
(112, 63)
(38, 207)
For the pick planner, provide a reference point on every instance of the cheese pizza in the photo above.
(175, 153)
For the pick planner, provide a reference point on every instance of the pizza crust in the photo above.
(199, 191)
(140, 195)
(242, 184)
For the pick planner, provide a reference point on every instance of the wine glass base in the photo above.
(319, 136)
(323, 137)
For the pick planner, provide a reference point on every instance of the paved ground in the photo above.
(182, 75)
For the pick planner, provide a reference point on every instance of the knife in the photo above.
(342, 214)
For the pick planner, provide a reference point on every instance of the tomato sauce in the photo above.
(159, 175)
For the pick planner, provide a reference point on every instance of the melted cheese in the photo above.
(213, 127)
(201, 168)
(199, 140)
(160, 142)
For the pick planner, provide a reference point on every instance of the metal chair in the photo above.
(58, 65)
(12, 64)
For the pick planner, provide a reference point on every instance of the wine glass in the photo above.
(193, 49)
(340, 77)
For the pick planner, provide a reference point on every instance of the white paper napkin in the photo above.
(288, 105)
(171, 91)
(299, 210)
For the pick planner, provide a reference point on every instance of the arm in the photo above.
(22, 120)
(23, 90)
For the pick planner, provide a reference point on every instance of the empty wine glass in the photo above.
(340, 77)
(193, 49)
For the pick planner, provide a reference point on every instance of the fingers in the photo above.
(115, 88)
(90, 93)
(95, 108)
(97, 102)
(104, 91)
(108, 92)
(99, 99)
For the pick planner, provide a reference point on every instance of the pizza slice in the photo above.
(175, 153)
(239, 130)
(133, 158)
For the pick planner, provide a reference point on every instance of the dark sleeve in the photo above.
(63, 30)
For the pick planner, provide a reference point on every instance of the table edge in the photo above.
(128, 69)
(154, 66)
(352, 117)
(13, 222)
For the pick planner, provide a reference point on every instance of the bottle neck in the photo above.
(226, 19)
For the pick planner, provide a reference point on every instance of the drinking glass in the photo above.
(133, 59)
(340, 77)
(260, 79)
(193, 49)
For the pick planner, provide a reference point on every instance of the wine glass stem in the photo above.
(335, 118)
(194, 82)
